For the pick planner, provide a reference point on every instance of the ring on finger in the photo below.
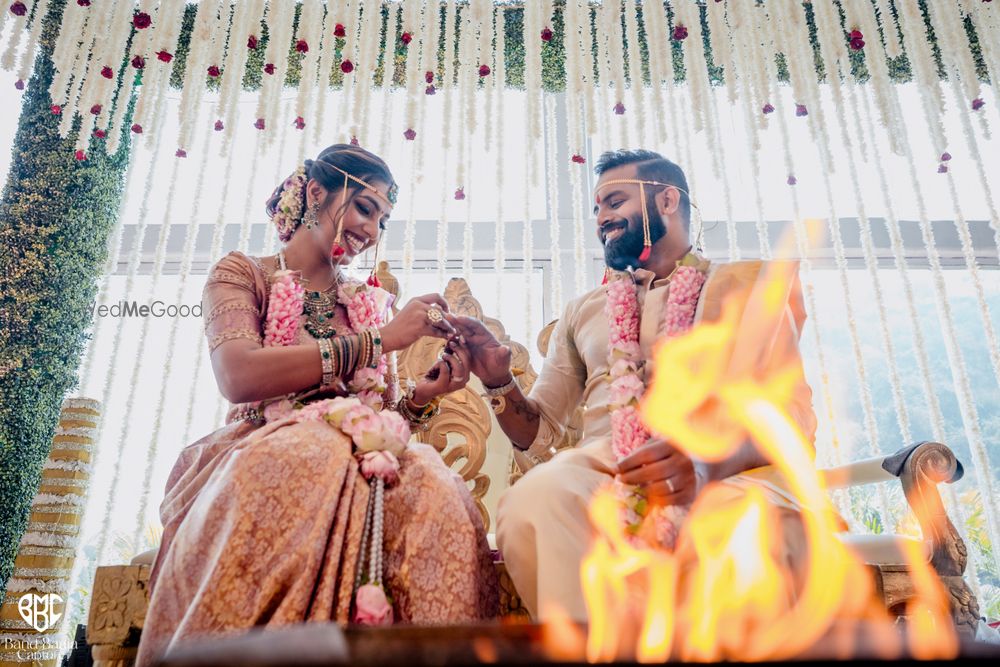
(434, 315)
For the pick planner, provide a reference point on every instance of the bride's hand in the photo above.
(414, 322)
(449, 374)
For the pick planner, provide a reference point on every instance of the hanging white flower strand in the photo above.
(187, 255)
(280, 28)
(636, 80)
(18, 29)
(500, 74)
(899, 257)
(27, 59)
(552, 195)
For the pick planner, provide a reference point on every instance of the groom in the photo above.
(643, 212)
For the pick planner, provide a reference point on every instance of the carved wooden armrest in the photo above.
(118, 606)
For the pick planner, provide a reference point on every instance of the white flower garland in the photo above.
(18, 29)
(615, 66)
(924, 72)
(20, 584)
(44, 499)
(349, 52)
(71, 466)
(77, 77)
(211, 20)
(312, 29)
(655, 21)
(246, 22)
(575, 179)
(552, 195)
(491, 26)
(414, 23)
(528, 241)
(636, 85)
(124, 431)
(499, 251)
(49, 540)
(191, 234)
(533, 68)
(899, 255)
(280, 28)
(465, 102)
(721, 43)
(368, 63)
(892, 46)
(327, 59)
(28, 54)
(64, 53)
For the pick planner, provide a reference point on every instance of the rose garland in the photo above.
(628, 433)
(379, 436)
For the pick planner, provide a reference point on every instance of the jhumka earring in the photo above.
(311, 218)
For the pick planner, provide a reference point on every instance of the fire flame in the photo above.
(727, 591)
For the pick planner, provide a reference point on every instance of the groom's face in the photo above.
(618, 209)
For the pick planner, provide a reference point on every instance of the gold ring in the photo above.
(434, 315)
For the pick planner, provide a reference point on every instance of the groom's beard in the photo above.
(624, 251)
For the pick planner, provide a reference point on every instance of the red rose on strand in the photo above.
(579, 159)
(252, 42)
(19, 84)
(680, 33)
(55, 109)
(96, 109)
(300, 122)
(80, 156)
(83, 3)
(619, 109)
(269, 68)
(942, 168)
(141, 20)
(136, 128)
(18, 9)
(484, 70)
(100, 134)
(800, 110)
(107, 72)
(792, 180)
(347, 67)
(181, 153)
(354, 141)
(259, 123)
(857, 40)
(138, 62)
(213, 71)
(429, 76)
(768, 108)
(410, 134)
(164, 56)
(339, 31)
(406, 38)
(945, 156)
(460, 194)
(430, 90)
(546, 34)
(219, 127)
(302, 46)
(978, 104)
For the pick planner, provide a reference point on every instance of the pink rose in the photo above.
(364, 426)
(367, 379)
(382, 464)
(372, 607)
(396, 432)
(371, 399)
(626, 389)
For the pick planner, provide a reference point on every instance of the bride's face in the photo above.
(365, 216)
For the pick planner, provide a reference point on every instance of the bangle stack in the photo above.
(342, 355)
(423, 414)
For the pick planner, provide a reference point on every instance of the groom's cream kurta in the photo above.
(542, 525)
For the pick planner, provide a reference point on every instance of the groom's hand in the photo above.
(664, 473)
(490, 360)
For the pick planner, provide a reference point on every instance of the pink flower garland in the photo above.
(628, 433)
(284, 310)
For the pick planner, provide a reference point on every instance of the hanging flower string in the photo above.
(628, 433)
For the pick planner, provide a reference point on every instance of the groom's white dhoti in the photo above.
(543, 529)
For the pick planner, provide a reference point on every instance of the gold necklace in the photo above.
(318, 306)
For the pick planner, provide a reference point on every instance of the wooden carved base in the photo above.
(117, 614)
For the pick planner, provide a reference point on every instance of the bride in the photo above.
(311, 504)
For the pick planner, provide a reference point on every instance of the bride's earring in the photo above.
(311, 217)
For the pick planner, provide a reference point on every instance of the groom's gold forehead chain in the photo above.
(646, 240)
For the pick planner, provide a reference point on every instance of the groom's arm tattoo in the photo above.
(520, 420)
